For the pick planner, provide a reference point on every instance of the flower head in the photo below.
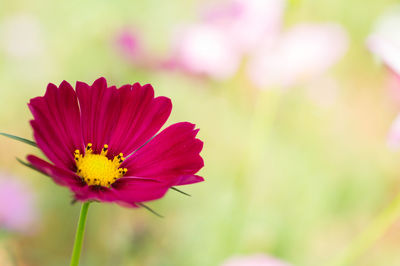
(103, 145)
(17, 205)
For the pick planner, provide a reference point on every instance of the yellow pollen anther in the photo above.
(97, 169)
(89, 148)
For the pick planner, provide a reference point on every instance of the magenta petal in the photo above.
(172, 157)
(126, 191)
(189, 179)
(131, 190)
(96, 193)
(56, 124)
(141, 117)
(59, 175)
(99, 111)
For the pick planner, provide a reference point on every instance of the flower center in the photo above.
(97, 169)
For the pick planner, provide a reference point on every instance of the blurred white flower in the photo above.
(303, 53)
(254, 260)
(384, 41)
(21, 36)
(387, 50)
(203, 49)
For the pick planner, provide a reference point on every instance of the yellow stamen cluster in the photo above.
(97, 169)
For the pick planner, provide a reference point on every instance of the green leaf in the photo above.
(27, 141)
(180, 191)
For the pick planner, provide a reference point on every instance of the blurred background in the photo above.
(294, 101)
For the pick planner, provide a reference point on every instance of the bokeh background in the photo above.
(295, 124)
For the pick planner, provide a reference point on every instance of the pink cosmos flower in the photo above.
(17, 205)
(86, 133)
(254, 260)
(303, 53)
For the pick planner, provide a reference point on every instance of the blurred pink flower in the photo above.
(384, 43)
(21, 36)
(393, 85)
(215, 46)
(303, 53)
(129, 44)
(17, 205)
(254, 260)
(247, 22)
(393, 139)
(203, 49)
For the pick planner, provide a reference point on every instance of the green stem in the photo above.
(373, 232)
(76, 252)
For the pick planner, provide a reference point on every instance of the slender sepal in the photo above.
(28, 165)
(180, 191)
(27, 141)
(149, 209)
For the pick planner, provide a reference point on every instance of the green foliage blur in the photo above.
(284, 176)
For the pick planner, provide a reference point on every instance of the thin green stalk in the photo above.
(374, 231)
(80, 231)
